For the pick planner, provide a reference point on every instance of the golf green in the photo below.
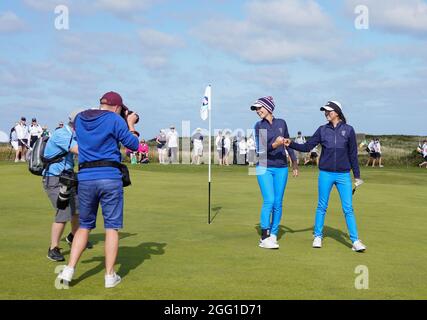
(168, 251)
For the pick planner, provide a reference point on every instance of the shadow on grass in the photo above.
(216, 210)
(129, 259)
(100, 237)
(283, 230)
(337, 235)
(328, 232)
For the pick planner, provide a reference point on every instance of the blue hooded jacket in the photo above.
(98, 134)
(339, 148)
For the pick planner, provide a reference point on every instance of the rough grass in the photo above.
(168, 251)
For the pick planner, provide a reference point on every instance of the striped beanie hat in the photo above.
(266, 102)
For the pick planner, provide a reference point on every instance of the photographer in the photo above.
(101, 177)
(61, 145)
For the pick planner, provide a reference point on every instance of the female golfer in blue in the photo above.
(339, 156)
(271, 169)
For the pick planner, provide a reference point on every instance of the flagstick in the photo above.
(210, 156)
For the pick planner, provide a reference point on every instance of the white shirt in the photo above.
(315, 149)
(424, 148)
(377, 147)
(21, 131)
(250, 144)
(227, 143)
(371, 146)
(300, 140)
(35, 130)
(242, 147)
(218, 142)
(172, 138)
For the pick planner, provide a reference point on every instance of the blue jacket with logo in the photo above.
(99, 133)
(339, 148)
(265, 135)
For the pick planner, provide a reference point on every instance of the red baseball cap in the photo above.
(112, 99)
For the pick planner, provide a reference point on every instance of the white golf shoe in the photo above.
(112, 280)
(317, 242)
(358, 246)
(273, 238)
(66, 274)
(268, 243)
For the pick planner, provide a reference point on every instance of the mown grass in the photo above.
(168, 251)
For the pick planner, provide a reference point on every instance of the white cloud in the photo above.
(123, 6)
(403, 16)
(156, 47)
(274, 31)
(10, 22)
(120, 8)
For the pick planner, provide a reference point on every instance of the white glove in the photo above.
(358, 182)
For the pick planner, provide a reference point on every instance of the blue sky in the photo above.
(160, 55)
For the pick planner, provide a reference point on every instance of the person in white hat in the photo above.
(339, 156)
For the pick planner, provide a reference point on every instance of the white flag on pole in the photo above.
(206, 104)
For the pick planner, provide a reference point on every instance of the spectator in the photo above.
(197, 140)
(314, 157)
(13, 139)
(242, 151)
(35, 131)
(377, 153)
(236, 141)
(219, 143)
(300, 155)
(173, 144)
(226, 148)
(250, 144)
(45, 132)
(63, 142)
(370, 150)
(161, 146)
(424, 154)
(22, 135)
(143, 152)
(60, 125)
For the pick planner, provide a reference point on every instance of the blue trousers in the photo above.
(272, 182)
(343, 183)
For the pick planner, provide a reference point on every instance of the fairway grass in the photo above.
(168, 251)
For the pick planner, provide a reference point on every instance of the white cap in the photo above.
(331, 106)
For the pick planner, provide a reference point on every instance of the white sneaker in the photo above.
(273, 238)
(317, 242)
(17, 160)
(66, 274)
(23, 160)
(112, 280)
(358, 246)
(267, 243)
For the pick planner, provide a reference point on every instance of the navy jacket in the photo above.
(339, 148)
(265, 135)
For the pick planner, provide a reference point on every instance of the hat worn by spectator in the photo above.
(112, 99)
(266, 102)
(72, 116)
(332, 106)
(23, 119)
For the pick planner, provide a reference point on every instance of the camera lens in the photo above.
(63, 197)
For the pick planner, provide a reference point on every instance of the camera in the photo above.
(67, 181)
(124, 115)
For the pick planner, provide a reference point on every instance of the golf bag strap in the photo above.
(99, 163)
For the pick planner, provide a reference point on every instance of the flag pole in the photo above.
(210, 158)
